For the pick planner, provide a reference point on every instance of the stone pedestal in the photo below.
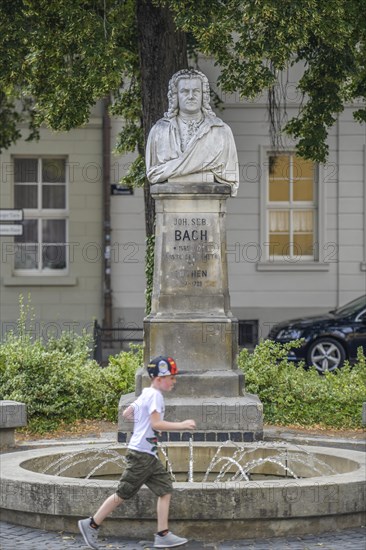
(12, 415)
(190, 316)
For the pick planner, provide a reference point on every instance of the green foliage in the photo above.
(55, 384)
(293, 395)
(127, 104)
(68, 54)
(253, 42)
(9, 120)
(136, 173)
(149, 271)
(118, 378)
(58, 381)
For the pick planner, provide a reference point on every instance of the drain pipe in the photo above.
(107, 290)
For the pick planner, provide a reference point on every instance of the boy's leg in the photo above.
(89, 527)
(163, 511)
(110, 504)
(164, 538)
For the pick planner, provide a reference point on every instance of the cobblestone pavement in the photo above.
(13, 537)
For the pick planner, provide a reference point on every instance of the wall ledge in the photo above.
(293, 266)
(40, 281)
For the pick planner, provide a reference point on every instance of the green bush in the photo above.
(58, 381)
(294, 396)
(118, 378)
(60, 385)
(57, 386)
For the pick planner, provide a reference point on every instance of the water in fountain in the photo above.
(228, 461)
(191, 460)
(237, 467)
(69, 460)
(168, 464)
(281, 459)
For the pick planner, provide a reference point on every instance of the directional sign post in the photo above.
(11, 230)
(11, 215)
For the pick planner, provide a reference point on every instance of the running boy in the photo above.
(143, 465)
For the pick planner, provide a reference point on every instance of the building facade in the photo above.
(57, 263)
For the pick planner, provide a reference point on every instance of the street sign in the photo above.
(121, 189)
(8, 230)
(11, 215)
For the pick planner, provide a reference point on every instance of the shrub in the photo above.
(293, 395)
(118, 378)
(55, 385)
(60, 386)
(58, 381)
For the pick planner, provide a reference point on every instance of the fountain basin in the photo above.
(270, 504)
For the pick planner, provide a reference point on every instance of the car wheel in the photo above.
(326, 354)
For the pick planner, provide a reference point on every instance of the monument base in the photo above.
(204, 383)
(197, 342)
(191, 320)
(217, 419)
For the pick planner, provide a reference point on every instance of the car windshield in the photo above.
(351, 307)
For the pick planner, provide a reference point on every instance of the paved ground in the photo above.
(23, 538)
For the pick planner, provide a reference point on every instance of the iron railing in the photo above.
(109, 336)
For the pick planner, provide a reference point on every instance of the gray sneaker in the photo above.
(90, 535)
(168, 541)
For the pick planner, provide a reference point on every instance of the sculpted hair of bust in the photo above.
(173, 107)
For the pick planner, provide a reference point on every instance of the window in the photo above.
(248, 333)
(291, 208)
(40, 189)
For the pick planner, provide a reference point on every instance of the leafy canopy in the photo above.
(253, 41)
(67, 54)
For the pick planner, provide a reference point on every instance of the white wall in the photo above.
(76, 298)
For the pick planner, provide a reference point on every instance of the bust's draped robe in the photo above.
(211, 150)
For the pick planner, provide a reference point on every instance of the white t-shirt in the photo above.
(144, 438)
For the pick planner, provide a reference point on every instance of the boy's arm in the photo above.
(128, 413)
(163, 425)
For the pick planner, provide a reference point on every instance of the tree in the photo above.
(67, 54)
(254, 41)
(162, 52)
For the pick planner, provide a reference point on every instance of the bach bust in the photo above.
(191, 143)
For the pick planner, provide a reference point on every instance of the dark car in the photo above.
(329, 339)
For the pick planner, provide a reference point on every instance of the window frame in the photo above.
(317, 262)
(41, 214)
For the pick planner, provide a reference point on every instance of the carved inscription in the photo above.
(193, 235)
(191, 252)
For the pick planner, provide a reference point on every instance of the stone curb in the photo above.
(270, 434)
(280, 434)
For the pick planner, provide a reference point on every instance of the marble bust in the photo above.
(191, 143)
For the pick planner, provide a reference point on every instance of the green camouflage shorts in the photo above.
(143, 469)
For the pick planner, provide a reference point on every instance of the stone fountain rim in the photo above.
(12, 470)
(291, 506)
